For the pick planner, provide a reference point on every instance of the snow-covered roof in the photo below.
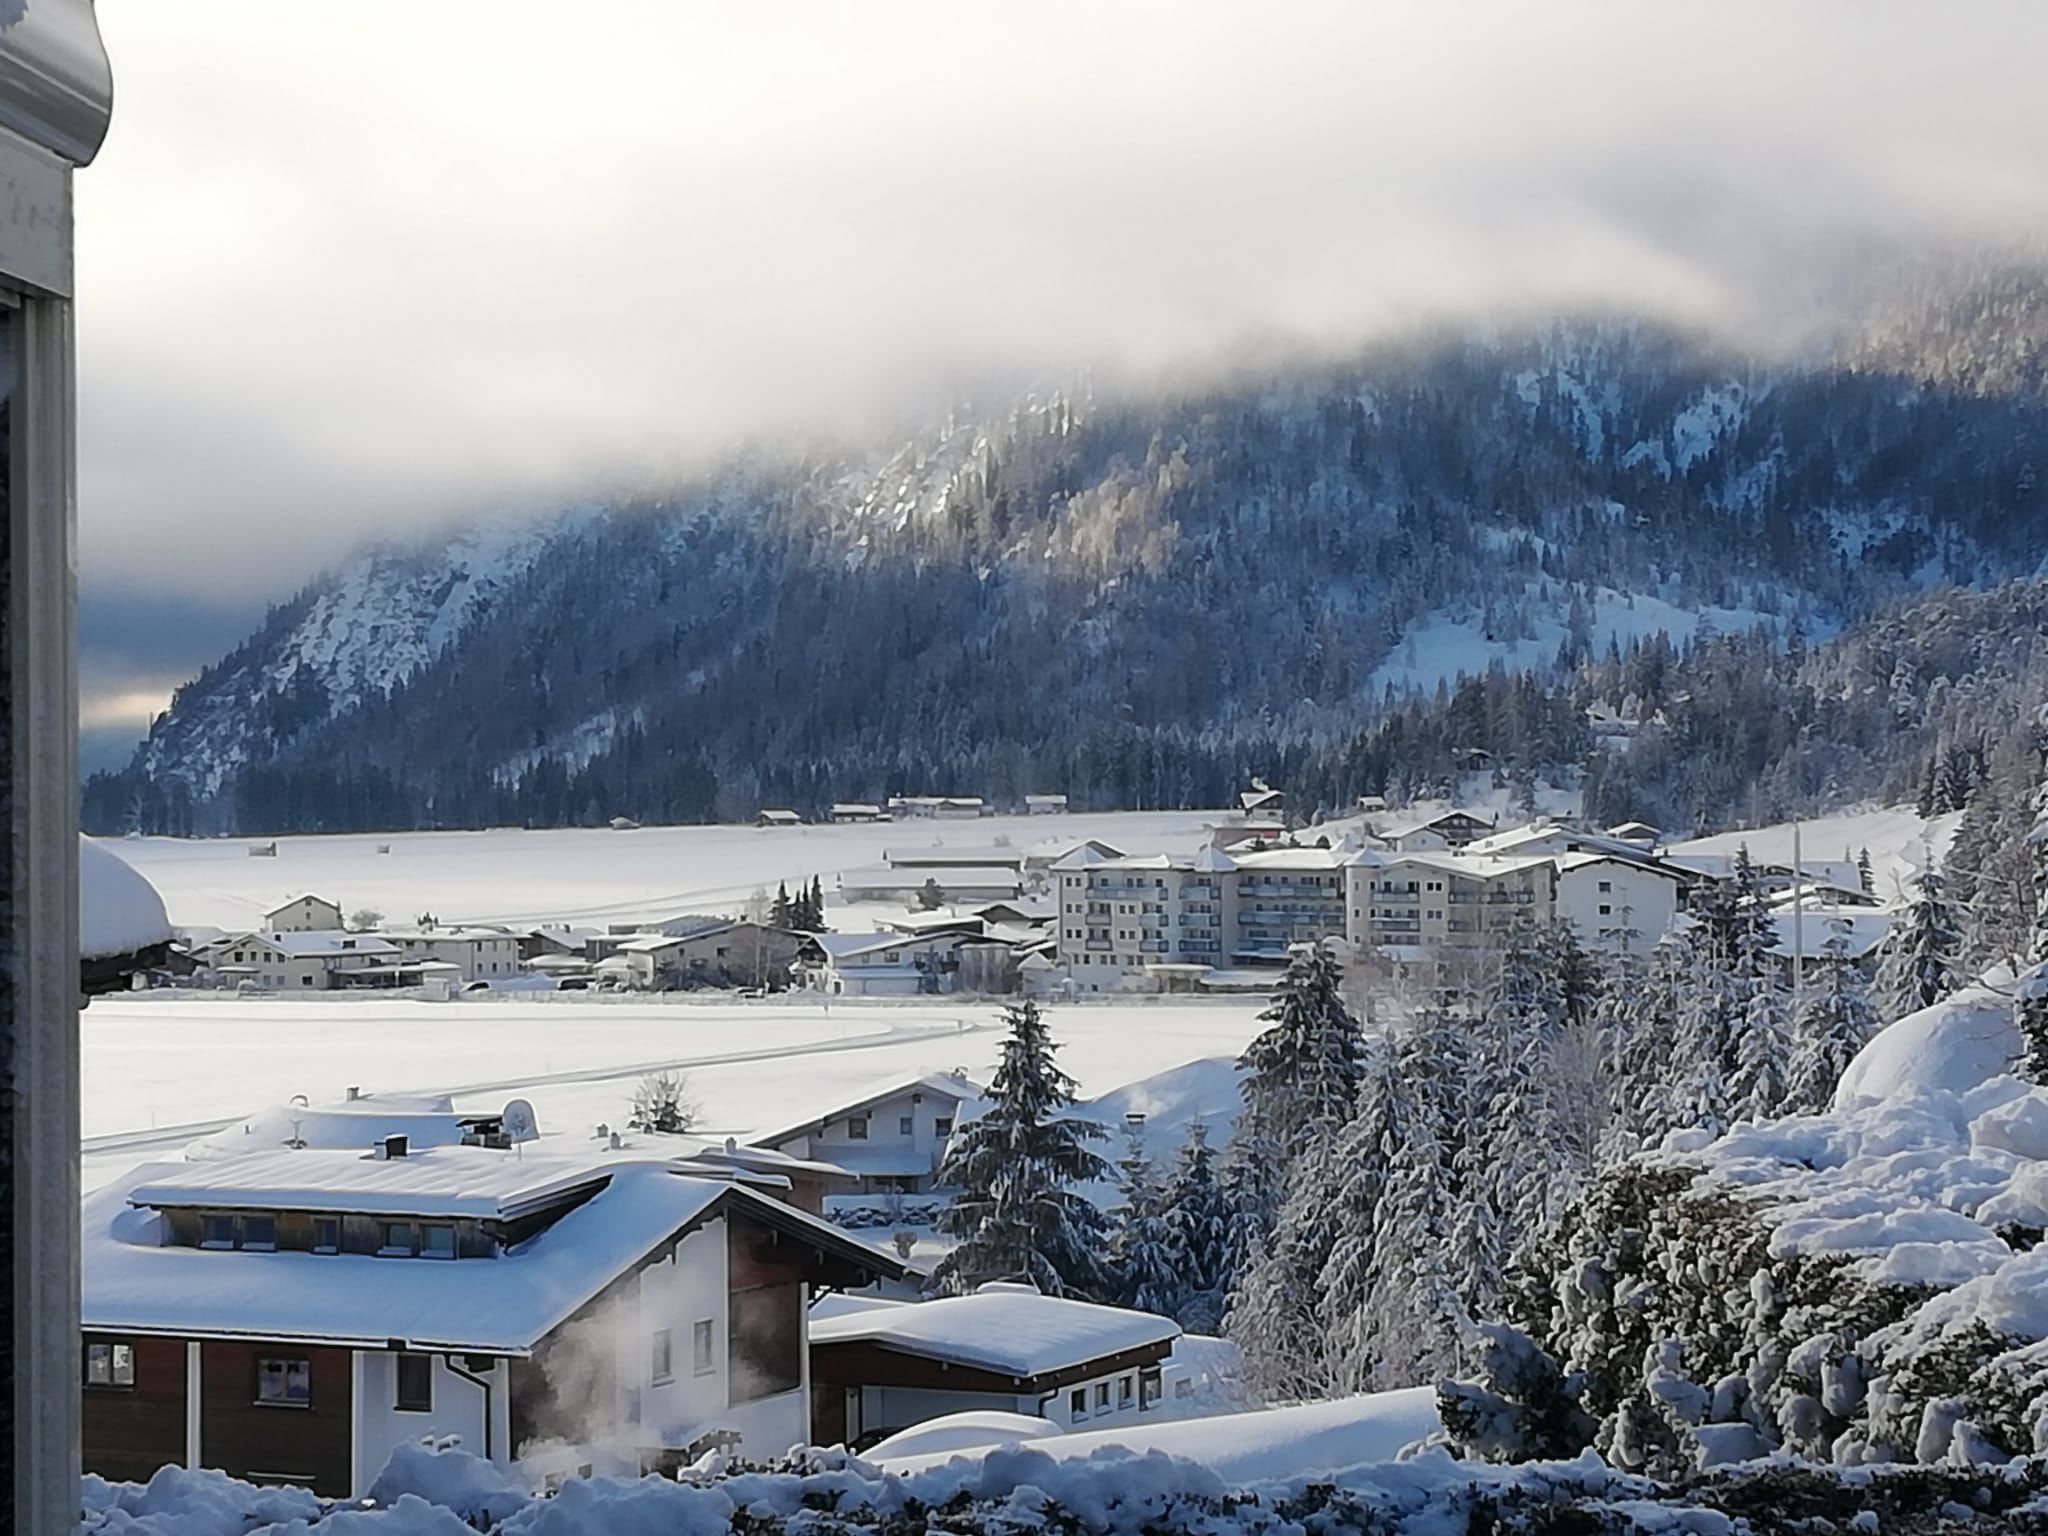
(943, 856)
(286, 906)
(1084, 855)
(1581, 858)
(119, 911)
(1862, 929)
(890, 877)
(654, 943)
(448, 1181)
(134, 1282)
(328, 941)
(457, 933)
(1292, 858)
(855, 808)
(1471, 866)
(351, 1126)
(1011, 1330)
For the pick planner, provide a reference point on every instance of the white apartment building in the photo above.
(1120, 918)
(306, 914)
(1282, 897)
(317, 961)
(1444, 900)
(478, 953)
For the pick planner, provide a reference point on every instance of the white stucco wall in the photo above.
(458, 1410)
(1635, 898)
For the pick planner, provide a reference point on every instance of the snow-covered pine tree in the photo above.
(1637, 1026)
(1762, 1044)
(1197, 1232)
(2030, 1009)
(1709, 1009)
(1141, 1261)
(1830, 1029)
(1917, 963)
(1299, 1076)
(1866, 878)
(1274, 1315)
(1352, 1282)
(1017, 1215)
(781, 913)
(1523, 1020)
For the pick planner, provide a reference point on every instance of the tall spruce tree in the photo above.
(2031, 1005)
(1298, 1077)
(1832, 1027)
(781, 914)
(1197, 1219)
(1017, 1215)
(1918, 961)
(1141, 1259)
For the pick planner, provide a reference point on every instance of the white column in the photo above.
(358, 1479)
(194, 1446)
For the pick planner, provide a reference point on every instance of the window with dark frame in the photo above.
(703, 1347)
(326, 1234)
(857, 1128)
(415, 1386)
(110, 1366)
(664, 1362)
(943, 1126)
(259, 1233)
(1077, 1403)
(216, 1231)
(437, 1242)
(1102, 1397)
(284, 1381)
(396, 1239)
(906, 1125)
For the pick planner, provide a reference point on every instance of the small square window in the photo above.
(1126, 1390)
(284, 1383)
(703, 1360)
(437, 1242)
(110, 1365)
(1077, 1403)
(857, 1128)
(397, 1239)
(217, 1232)
(943, 1126)
(906, 1126)
(1102, 1397)
(259, 1232)
(326, 1234)
(415, 1393)
(664, 1358)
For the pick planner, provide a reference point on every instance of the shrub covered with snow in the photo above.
(1020, 1490)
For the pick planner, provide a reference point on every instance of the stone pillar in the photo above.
(55, 93)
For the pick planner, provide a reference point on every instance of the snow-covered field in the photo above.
(163, 1068)
(581, 875)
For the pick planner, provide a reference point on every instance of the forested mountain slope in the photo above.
(1133, 600)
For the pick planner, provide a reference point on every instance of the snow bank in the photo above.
(954, 1432)
(1270, 1445)
(1952, 1047)
(119, 911)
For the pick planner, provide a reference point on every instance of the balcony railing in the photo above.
(1402, 898)
(1154, 946)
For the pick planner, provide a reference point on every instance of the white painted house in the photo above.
(320, 960)
(305, 914)
(1619, 903)
(892, 1137)
(295, 1315)
(478, 954)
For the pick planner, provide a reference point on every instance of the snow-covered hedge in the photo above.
(1860, 1286)
(828, 1493)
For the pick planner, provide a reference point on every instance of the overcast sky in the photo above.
(352, 268)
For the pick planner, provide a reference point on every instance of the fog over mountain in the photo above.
(383, 267)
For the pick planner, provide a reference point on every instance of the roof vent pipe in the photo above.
(394, 1146)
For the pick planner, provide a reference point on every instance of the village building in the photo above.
(780, 818)
(1120, 918)
(849, 812)
(730, 952)
(879, 1366)
(477, 954)
(1045, 805)
(1619, 903)
(1431, 832)
(306, 914)
(1263, 801)
(941, 807)
(880, 964)
(293, 1316)
(892, 1139)
(1284, 897)
(1433, 901)
(320, 960)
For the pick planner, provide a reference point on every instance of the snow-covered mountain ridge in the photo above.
(1116, 595)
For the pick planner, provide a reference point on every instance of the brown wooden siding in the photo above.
(131, 1431)
(308, 1446)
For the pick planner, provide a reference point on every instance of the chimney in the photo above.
(616, 1143)
(394, 1146)
(354, 1094)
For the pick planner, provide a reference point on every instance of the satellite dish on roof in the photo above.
(518, 1122)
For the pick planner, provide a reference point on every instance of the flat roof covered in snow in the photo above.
(484, 1182)
(1013, 1331)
